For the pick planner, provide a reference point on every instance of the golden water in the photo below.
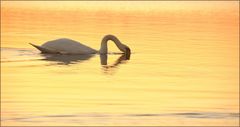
(183, 70)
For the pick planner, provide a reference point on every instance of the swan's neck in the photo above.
(104, 47)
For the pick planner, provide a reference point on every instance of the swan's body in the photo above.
(68, 46)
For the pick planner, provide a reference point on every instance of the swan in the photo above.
(68, 46)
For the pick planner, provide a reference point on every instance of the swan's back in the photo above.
(68, 46)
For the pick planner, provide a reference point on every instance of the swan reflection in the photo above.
(74, 59)
(66, 59)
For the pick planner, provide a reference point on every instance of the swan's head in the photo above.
(125, 49)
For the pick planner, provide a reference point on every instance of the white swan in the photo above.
(68, 46)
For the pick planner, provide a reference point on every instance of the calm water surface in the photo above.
(183, 69)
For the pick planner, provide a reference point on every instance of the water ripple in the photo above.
(209, 115)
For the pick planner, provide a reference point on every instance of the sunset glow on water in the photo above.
(183, 70)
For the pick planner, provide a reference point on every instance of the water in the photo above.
(183, 69)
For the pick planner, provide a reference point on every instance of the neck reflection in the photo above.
(110, 68)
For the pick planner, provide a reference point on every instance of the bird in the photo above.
(68, 46)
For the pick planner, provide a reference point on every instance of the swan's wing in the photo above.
(43, 50)
(68, 46)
